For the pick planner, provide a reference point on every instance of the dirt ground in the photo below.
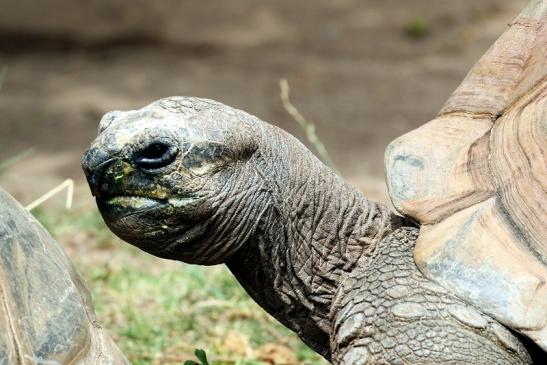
(364, 71)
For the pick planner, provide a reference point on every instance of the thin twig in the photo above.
(307, 126)
(68, 184)
(13, 160)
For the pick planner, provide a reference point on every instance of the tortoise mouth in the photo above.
(117, 207)
(132, 200)
(154, 225)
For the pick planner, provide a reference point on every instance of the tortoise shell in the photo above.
(46, 315)
(475, 178)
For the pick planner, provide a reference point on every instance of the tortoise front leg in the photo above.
(387, 312)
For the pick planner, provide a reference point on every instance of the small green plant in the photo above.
(417, 28)
(3, 74)
(202, 357)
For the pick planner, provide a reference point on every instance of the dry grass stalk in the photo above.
(307, 126)
(68, 184)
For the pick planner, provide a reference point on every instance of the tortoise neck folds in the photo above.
(314, 229)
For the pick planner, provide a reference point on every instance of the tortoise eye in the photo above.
(155, 155)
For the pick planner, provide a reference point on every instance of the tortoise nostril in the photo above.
(155, 155)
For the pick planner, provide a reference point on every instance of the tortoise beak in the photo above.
(94, 163)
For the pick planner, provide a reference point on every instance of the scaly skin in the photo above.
(313, 231)
(229, 188)
(387, 312)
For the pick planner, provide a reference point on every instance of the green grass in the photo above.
(160, 311)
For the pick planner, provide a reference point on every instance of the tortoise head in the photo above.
(168, 178)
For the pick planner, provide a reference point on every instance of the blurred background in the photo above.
(363, 71)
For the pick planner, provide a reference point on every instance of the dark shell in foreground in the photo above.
(46, 314)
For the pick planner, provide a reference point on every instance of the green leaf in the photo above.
(200, 354)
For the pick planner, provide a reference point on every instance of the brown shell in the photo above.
(475, 178)
(46, 315)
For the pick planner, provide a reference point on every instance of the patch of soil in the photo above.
(364, 71)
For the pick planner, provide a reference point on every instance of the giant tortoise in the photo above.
(46, 314)
(458, 279)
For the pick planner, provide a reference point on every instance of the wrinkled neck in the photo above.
(315, 228)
